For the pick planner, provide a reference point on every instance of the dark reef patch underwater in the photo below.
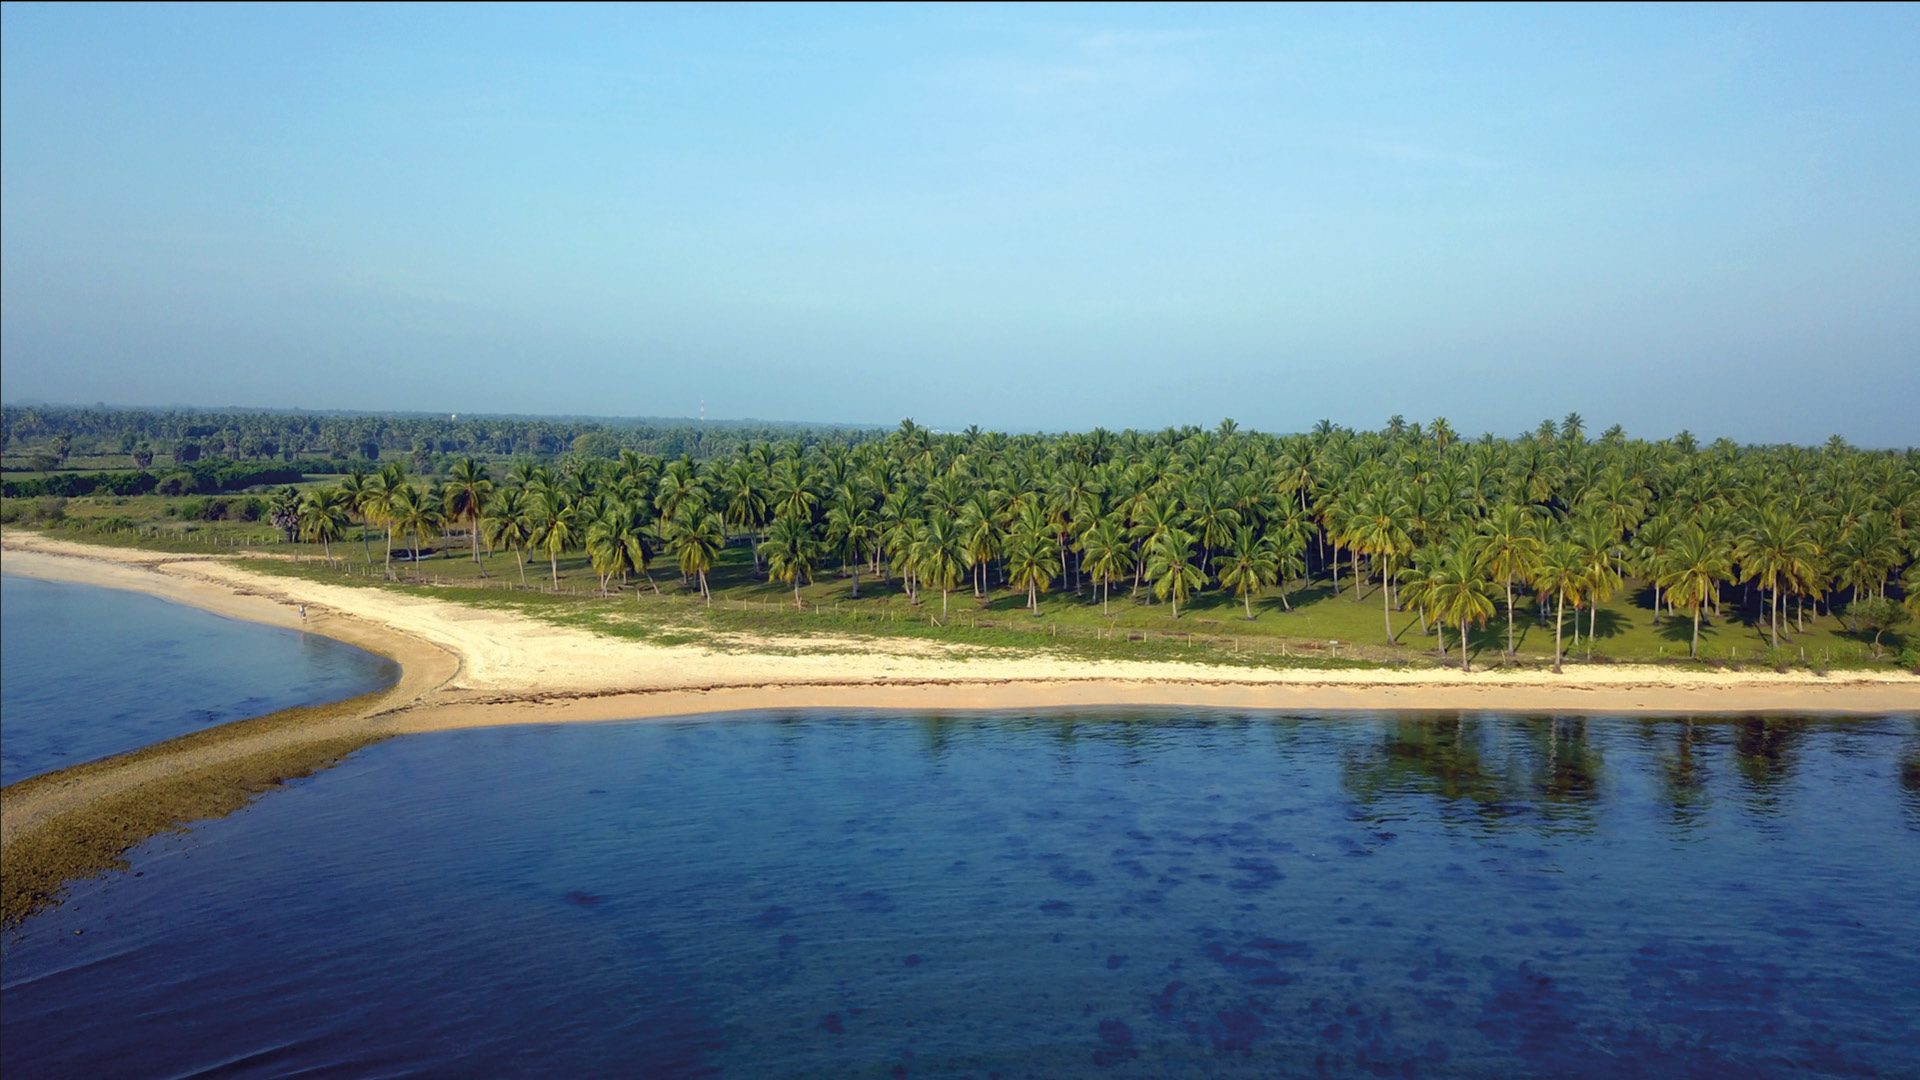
(1046, 895)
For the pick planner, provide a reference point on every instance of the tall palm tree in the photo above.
(1106, 555)
(980, 534)
(605, 550)
(1157, 517)
(556, 527)
(696, 540)
(355, 486)
(1251, 564)
(939, 557)
(1597, 543)
(508, 523)
(1171, 569)
(323, 517)
(1695, 566)
(852, 530)
(790, 550)
(1511, 550)
(1461, 592)
(414, 513)
(1777, 551)
(468, 488)
(1032, 561)
(383, 489)
(1375, 529)
(1560, 571)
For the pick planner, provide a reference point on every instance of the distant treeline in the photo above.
(203, 477)
(188, 435)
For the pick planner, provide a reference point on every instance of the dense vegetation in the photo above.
(1549, 526)
(54, 434)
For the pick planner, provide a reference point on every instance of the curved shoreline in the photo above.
(463, 667)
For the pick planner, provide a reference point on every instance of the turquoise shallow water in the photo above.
(1167, 893)
(86, 672)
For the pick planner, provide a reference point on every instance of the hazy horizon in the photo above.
(1026, 218)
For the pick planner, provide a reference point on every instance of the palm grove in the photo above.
(1547, 526)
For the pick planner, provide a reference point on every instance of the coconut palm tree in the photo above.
(1156, 518)
(1598, 553)
(508, 523)
(1171, 569)
(939, 556)
(1032, 560)
(1461, 592)
(1374, 528)
(852, 530)
(1248, 566)
(323, 516)
(790, 551)
(355, 486)
(1696, 564)
(468, 489)
(605, 551)
(1106, 555)
(980, 535)
(1560, 572)
(1777, 551)
(556, 526)
(696, 540)
(1511, 550)
(383, 488)
(415, 514)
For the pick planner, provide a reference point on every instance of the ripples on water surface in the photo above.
(93, 672)
(1034, 896)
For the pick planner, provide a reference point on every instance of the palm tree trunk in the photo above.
(1464, 665)
(389, 550)
(943, 603)
(521, 558)
(553, 561)
(1776, 619)
(1693, 650)
(1106, 585)
(704, 592)
(1509, 615)
(797, 605)
(1386, 600)
(856, 579)
(1246, 599)
(1559, 620)
(365, 546)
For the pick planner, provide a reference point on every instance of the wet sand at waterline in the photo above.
(466, 667)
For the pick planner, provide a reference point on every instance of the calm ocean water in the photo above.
(1090, 894)
(92, 672)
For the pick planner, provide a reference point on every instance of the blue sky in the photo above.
(1022, 217)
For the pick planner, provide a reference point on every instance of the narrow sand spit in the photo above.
(470, 667)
